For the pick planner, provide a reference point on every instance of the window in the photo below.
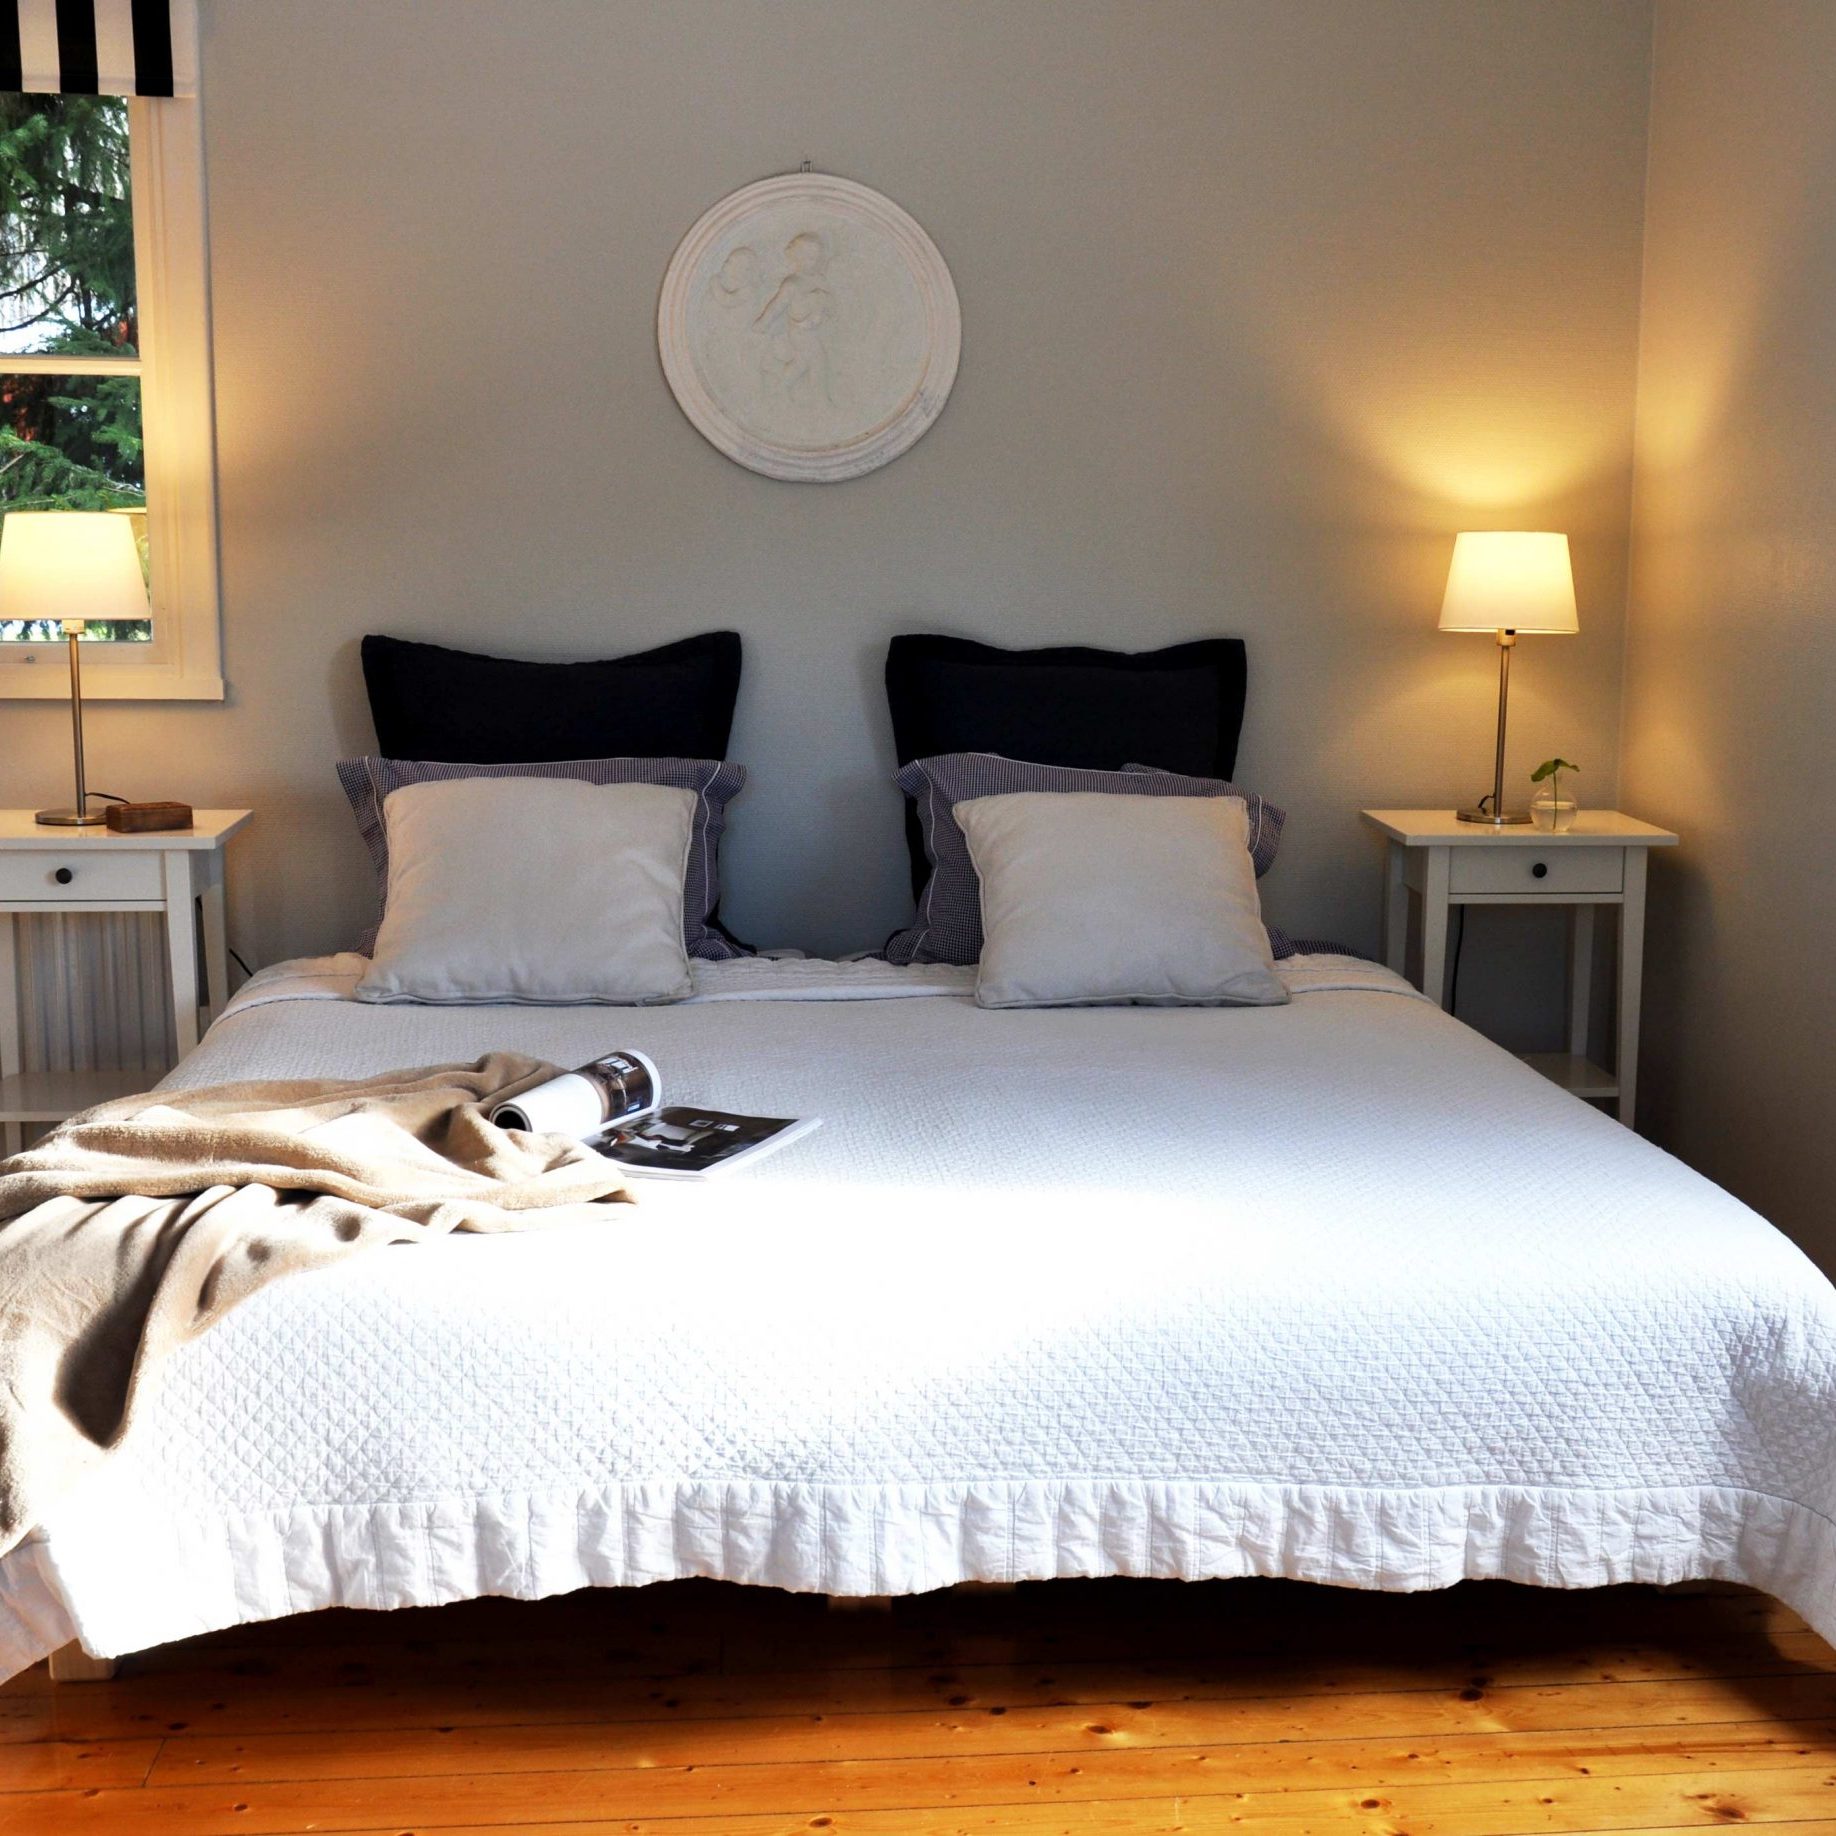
(70, 440)
(104, 373)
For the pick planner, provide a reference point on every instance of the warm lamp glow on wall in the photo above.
(71, 566)
(1507, 581)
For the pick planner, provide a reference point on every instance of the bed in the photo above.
(1334, 1290)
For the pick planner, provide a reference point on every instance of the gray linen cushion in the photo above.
(1094, 900)
(948, 928)
(368, 781)
(542, 891)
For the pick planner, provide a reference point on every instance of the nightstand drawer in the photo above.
(1534, 872)
(90, 875)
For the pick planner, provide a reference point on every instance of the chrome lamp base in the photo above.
(78, 815)
(1505, 819)
(1490, 811)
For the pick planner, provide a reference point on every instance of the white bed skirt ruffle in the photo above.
(895, 1539)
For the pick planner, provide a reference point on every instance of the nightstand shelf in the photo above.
(1443, 862)
(1576, 1074)
(50, 1096)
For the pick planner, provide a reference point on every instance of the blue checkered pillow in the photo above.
(948, 928)
(368, 781)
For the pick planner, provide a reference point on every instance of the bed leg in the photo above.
(860, 1603)
(72, 1664)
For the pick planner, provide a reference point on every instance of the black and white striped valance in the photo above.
(99, 47)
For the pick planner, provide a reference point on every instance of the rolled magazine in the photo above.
(582, 1103)
(615, 1105)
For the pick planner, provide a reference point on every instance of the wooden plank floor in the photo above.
(1107, 1708)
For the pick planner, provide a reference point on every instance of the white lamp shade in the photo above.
(1510, 580)
(60, 564)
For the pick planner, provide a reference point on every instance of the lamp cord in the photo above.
(1453, 989)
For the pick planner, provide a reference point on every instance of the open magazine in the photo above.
(615, 1105)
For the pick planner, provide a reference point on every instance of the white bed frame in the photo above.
(72, 1664)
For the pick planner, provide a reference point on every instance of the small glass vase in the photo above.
(1553, 812)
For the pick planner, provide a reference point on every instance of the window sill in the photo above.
(124, 682)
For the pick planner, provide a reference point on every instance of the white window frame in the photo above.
(178, 427)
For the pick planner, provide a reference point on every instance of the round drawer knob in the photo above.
(1540, 871)
(63, 876)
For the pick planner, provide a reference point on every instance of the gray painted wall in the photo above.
(1261, 303)
(1732, 649)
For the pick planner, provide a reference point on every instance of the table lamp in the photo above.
(1507, 581)
(71, 566)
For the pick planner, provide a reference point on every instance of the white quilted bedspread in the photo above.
(1336, 1290)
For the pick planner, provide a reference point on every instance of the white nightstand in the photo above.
(1600, 861)
(178, 872)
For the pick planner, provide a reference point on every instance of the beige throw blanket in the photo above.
(136, 1226)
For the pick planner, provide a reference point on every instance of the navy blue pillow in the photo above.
(1070, 705)
(674, 702)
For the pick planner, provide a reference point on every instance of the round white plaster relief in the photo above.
(809, 328)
